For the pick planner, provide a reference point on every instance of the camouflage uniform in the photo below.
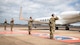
(52, 26)
(11, 24)
(5, 24)
(30, 26)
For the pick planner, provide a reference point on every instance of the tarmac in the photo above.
(39, 36)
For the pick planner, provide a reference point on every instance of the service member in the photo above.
(12, 24)
(30, 25)
(5, 24)
(52, 25)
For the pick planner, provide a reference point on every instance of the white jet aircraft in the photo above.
(65, 18)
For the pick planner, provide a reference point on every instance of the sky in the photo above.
(35, 8)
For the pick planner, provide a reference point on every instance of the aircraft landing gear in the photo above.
(35, 27)
(56, 28)
(67, 27)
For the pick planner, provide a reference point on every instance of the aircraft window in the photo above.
(45, 19)
(41, 20)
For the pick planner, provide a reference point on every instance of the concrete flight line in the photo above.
(66, 39)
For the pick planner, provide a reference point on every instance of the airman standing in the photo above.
(30, 25)
(52, 25)
(12, 24)
(5, 24)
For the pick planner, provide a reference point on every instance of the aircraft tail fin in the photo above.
(20, 15)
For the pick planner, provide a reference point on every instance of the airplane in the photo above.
(65, 18)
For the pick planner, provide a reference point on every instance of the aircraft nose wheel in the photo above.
(67, 28)
(56, 28)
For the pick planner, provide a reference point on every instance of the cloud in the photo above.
(36, 8)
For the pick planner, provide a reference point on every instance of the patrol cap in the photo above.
(52, 15)
(30, 17)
